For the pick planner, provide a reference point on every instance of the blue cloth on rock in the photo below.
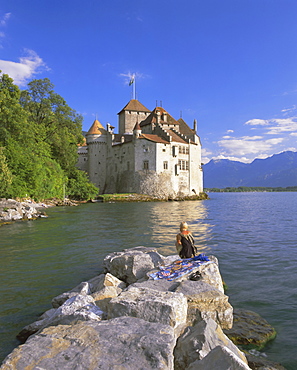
(180, 267)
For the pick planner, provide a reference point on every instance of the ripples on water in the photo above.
(253, 235)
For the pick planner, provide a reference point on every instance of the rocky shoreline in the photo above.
(125, 318)
(14, 210)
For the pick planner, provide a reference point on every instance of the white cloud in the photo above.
(257, 122)
(206, 155)
(243, 146)
(282, 125)
(289, 110)
(230, 131)
(293, 134)
(4, 19)
(232, 158)
(27, 67)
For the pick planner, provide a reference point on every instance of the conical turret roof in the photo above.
(96, 129)
(137, 127)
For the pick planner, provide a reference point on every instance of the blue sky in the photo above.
(230, 64)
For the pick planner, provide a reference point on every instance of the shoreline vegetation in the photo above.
(240, 189)
(133, 197)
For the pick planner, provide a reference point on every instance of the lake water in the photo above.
(254, 235)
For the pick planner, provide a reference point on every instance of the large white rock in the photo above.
(164, 307)
(133, 264)
(89, 287)
(125, 343)
(77, 308)
(220, 358)
(205, 301)
(161, 285)
(197, 341)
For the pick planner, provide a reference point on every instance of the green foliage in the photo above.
(13, 119)
(79, 187)
(53, 122)
(39, 134)
(5, 174)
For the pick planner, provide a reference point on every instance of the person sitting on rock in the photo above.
(185, 242)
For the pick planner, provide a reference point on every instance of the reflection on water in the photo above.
(164, 222)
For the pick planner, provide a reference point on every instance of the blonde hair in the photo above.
(183, 226)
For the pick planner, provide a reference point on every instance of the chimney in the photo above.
(195, 126)
(158, 116)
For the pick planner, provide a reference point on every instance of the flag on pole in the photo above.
(131, 80)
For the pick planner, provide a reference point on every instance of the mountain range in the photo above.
(279, 170)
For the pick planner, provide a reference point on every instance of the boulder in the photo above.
(12, 210)
(103, 296)
(131, 265)
(89, 287)
(220, 358)
(197, 341)
(161, 285)
(105, 280)
(78, 307)
(250, 329)
(257, 361)
(164, 307)
(83, 289)
(122, 343)
(205, 301)
(210, 274)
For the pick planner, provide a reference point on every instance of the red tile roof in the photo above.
(154, 138)
(135, 106)
(176, 138)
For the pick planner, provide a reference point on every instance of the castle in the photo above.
(152, 154)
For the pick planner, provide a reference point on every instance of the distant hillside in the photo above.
(280, 170)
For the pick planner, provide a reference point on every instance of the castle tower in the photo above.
(97, 154)
(132, 113)
(137, 130)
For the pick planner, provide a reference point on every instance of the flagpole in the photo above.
(133, 83)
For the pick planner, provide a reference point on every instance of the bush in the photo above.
(79, 187)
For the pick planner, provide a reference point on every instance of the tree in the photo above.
(39, 134)
(5, 174)
(13, 118)
(53, 122)
(79, 187)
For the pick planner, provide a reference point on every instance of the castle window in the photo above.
(145, 165)
(187, 150)
(183, 165)
(165, 165)
(128, 166)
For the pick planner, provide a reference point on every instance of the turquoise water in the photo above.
(253, 235)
